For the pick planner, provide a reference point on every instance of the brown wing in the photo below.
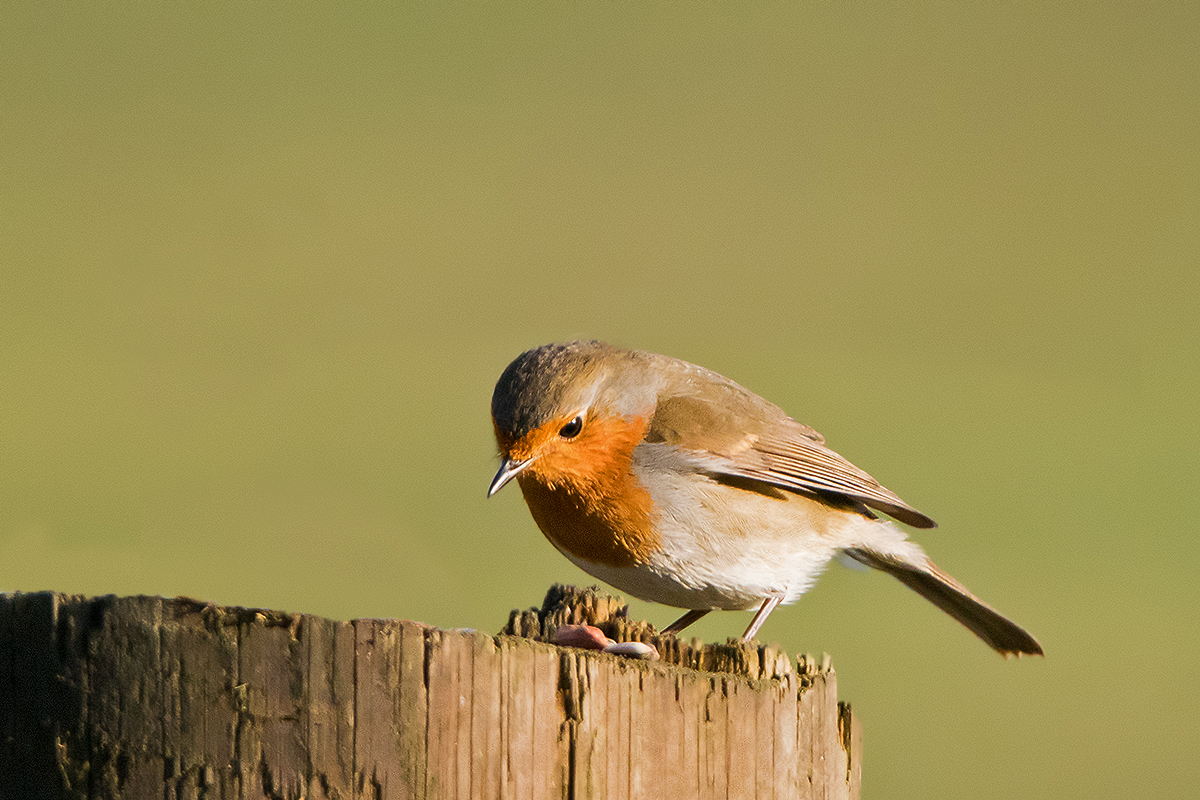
(743, 436)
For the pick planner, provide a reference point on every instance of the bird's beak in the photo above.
(509, 469)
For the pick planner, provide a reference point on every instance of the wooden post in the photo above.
(146, 697)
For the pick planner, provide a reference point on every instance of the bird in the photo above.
(676, 485)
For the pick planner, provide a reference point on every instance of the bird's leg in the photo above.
(685, 620)
(760, 616)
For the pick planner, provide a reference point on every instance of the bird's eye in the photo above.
(571, 429)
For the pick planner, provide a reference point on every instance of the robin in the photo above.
(678, 486)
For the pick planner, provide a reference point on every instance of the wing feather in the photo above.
(736, 433)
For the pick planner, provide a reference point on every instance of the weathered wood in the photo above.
(391, 710)
(331, 708)
(142, 697)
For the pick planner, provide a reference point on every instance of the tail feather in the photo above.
(929, 581)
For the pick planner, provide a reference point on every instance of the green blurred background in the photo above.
(260, 266)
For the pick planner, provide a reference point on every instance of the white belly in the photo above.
(727, 548)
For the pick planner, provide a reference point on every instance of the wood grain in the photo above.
(145, 697)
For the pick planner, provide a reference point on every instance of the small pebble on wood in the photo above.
(588, 637)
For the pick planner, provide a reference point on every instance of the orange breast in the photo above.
(585, 499)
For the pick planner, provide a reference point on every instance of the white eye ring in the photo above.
(572, 428)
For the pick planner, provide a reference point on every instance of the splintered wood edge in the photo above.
(569, 605)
